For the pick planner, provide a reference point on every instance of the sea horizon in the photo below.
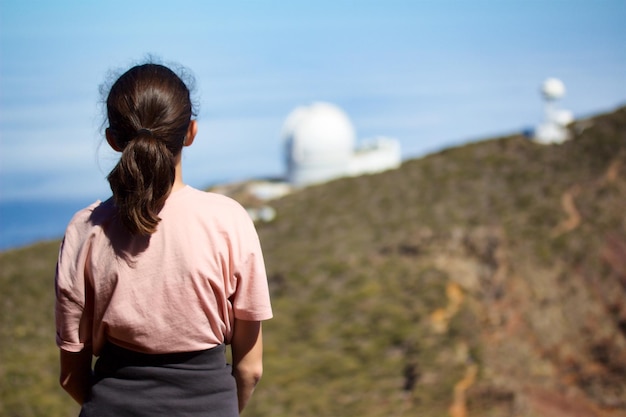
(27, 222)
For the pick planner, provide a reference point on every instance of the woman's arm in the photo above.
(247, 349)
(75, 375)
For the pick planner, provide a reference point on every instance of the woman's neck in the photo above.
(178, 179)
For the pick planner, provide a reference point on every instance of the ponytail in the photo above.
(146, 96)
(141, 182)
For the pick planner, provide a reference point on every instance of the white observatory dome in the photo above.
(553, 89)
(319, 141)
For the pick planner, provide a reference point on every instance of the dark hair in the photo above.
(149, 110)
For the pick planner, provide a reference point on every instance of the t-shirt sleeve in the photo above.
(251, 300)
(74, 296)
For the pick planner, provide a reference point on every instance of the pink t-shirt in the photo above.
(177, 290)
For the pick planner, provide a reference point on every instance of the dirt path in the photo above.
(568, 199)
(459, 402)
(568, 203)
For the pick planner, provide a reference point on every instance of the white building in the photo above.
(320, 145)
(554, 127)
(375, 155)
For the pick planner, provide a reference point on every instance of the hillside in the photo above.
(485, 280)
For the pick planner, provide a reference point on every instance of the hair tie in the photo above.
(144, 130)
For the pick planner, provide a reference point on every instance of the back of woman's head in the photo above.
(149, 110)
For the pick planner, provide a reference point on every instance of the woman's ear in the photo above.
(192, 130)
(111, 140)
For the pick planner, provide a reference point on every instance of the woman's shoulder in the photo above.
(87, 219)
(211, 207)
(95, 210)
(94, 214)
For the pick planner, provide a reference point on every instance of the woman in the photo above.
(159, 278)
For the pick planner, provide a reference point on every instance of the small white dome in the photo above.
(563, 117)
(553, 88)
(319, 143)
(318, 133)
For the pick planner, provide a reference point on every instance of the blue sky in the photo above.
(432, 74)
